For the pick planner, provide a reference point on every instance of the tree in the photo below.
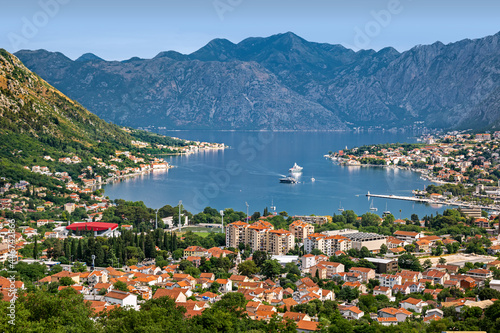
(214, 288)
(56, 269)
(248, 268)
(488, 293)
(177, 254)
(452, 247)
(35, 248)
(348, 294)
(410, 248)
(383, 249)
(437, 251)
(442, 261)
(409, 261)
(120, 285)
(66, 281)
(427, 264)
(231, 302)
(259, 257)
(271, 268)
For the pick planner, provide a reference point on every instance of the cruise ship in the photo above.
(295, 169)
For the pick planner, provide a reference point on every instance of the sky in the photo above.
(119, 30)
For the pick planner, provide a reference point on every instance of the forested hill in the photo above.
(36, 119)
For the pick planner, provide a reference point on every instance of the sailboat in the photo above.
(341, 209)
(374, 209)
(386, 212)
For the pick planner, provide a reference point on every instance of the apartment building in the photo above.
(327, 244)
(235, 233)
(260, 236)
(280, 242)
(301, 229)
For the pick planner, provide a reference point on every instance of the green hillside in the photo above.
(37, 120)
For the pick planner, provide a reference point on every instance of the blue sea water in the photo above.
(249, 172)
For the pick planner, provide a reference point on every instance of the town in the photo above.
(465, 164)
(279, 265)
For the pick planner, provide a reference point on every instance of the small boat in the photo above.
(341, 209)
(374, 209)
(288, 180)
(386, 212)
(313, 179)
(296, 169)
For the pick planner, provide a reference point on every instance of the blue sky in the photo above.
(117, 30)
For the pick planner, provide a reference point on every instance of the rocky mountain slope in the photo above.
(286, 82)
(36, 119)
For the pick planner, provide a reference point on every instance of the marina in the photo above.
(431, 201)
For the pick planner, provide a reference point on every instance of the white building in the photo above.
(122, 298)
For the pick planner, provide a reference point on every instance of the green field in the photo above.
(200, 231)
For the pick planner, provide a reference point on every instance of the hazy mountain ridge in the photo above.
(286, 82)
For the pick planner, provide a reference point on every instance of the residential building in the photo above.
(407, 236)
(384, 265)
(301, 229)
(122, 298)
(413, 304)
(366, 273)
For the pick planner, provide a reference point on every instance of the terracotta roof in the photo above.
(117, 294)
(307, 325)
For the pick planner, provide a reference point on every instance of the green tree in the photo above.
(271, 268)
(66, 281)
(427, 264)
(248, 268)
(120, 285)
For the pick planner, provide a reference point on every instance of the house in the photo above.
(400, 314)
(99, 286)
(121, 298)
(226, 285)
(404, 289)
(351, 312)
(195, 251)
(422, 245)
(378, 290)
(413, 304)
(176, 294)
(366, 273)
(296, 316)
(358, 285)
(58, 276)
(409, 276)
(390, 280)
(480, 274)
(386, 321)
(437, 276)
(307, 326)
(407, 236)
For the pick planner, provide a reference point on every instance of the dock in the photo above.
(430, 201)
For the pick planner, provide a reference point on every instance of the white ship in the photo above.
(295, 169)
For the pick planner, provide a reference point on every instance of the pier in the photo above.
(431, 201)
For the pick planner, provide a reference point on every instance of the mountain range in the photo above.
(284, 82)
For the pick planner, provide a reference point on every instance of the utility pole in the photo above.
(180, 203)
(246, 203)
(93, 264)
(156, 227)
